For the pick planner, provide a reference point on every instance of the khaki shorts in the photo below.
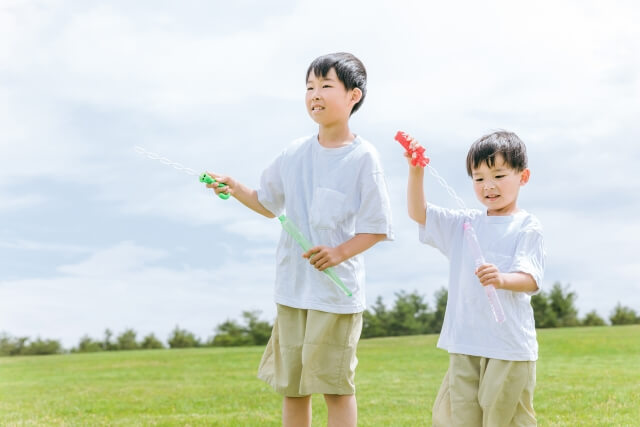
(311, 352)
(477, 391)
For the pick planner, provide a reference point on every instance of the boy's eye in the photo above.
(478, 179)
(326, 86)
(309, 88)
(500, 176)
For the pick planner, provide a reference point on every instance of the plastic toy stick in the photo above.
(208, 179)
(305, 244)
(416, 151)
(490, 290)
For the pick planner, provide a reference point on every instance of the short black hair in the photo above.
(349, 69)
(507, 144)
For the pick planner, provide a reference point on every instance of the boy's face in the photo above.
(328, 101)
(497, 188)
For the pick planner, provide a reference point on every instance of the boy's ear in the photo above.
(356, 95)
(524, 176)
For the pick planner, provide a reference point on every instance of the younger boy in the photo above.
(491, 375)
(332, 186)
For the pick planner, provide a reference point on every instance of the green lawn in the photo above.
(586, 376)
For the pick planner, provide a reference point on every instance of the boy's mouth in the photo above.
(316, 108)
(492, 197)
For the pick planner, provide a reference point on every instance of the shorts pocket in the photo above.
(327, 208)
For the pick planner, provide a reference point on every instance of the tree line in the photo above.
(410, 314)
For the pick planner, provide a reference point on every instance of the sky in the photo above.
(95, 236)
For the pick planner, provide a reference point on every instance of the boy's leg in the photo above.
(457, 400)
(441, 412)
(342, 410)
(329, 353)
(464, 380)
(296, 411)
(281, 363)
(506, 393)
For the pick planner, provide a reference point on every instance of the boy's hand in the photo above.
(229, 183)
(412, 167)
(323, 257)
(489, 274)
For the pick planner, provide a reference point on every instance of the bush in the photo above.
(556, 308)
(10, 346)
(87, 345)
(127, 340)
(410, 315)
(107, 344)
(623, 316)
(376, 323)
(543, 314)
(151, 342)
(42, 347)
(181, 338)
(593, 319)
(230, 333)
(20, 346)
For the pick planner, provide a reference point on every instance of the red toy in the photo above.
(417, 152)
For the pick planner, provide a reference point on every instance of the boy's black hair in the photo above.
(508, 144)
(350, 71)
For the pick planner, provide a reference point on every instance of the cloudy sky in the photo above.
(95, 236)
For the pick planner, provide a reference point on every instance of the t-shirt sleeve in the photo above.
(271, 191)
(529, 256)
(441, 225)
(374, 213)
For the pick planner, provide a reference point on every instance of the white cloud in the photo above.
(11, 202)
(30, 245)
(112, 262)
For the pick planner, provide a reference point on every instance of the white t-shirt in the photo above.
(514, 244)
(331, 194)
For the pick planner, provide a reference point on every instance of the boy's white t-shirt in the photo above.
(512, 243)
(331, 194)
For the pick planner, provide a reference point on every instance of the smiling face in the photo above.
(497, 187)
(328, 101)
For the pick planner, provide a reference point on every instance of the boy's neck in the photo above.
(335, 136)
(505, 212)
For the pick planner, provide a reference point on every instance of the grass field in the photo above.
(586, 377)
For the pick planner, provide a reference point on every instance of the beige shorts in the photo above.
(477, 391)
(311, 352)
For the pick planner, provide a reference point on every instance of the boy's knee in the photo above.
(339, 399)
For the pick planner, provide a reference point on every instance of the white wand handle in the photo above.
(472, 239)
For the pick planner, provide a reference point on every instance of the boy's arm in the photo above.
(245, 195)
(416, 202)
(325, 256)
(489, 274)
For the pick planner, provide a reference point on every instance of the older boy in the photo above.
(332, 186)
(491, 375)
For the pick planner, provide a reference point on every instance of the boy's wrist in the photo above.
(416, 171)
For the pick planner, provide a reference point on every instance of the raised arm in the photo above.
(416, 203)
